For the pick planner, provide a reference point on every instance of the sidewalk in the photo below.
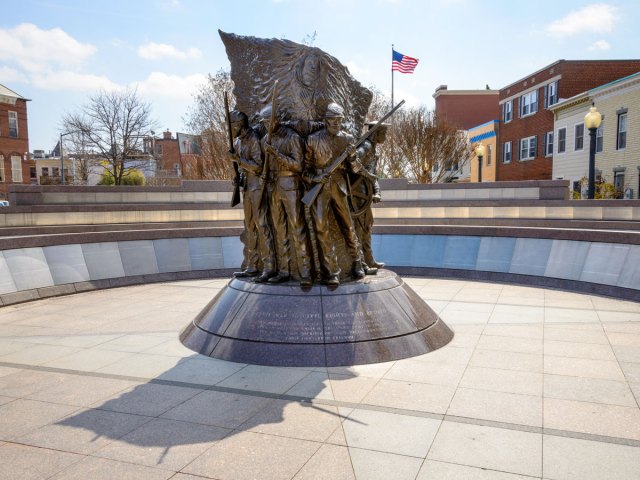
(536, 384)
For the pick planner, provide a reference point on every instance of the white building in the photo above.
(617, 139)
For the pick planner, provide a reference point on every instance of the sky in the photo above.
(59, 53)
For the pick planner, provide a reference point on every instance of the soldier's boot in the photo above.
(247, 272)
(305, 275)
(372, 263)
(265, 276)
(356, 270)
(280, 277)
(333, 280)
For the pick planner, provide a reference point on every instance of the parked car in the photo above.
(4, 203)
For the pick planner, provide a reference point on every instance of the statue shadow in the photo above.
(157, 420)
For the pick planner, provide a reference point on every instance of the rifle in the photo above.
(313, 193)
(265, 165)
(235, 199)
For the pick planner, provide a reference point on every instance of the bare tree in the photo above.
(85, 160)
(433, 150)
(114, 125)
(390, 159)
(206, 118)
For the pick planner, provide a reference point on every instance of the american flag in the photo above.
(402, 63)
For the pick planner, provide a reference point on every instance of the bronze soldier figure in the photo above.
(323, 147)
(284, 191)
(367, 166)
(258, 236)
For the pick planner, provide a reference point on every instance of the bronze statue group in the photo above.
(298, 178)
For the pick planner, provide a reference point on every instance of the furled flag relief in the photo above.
(403, 63)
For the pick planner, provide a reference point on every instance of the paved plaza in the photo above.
(537, 383)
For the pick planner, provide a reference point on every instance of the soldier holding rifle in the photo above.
(323, 147)
(283, 149)
(258, 237)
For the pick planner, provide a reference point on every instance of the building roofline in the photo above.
(568, 102)
(534, 73)
(11, 93)
(569, 62)
(483, 124)
(465, 92)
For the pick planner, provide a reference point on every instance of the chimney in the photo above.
(166, 135)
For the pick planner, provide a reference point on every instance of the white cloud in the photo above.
(160, 83)
(595, 18)
(34, 49)
(66, 80)
(600, 46)
(355, 70)
(156, 51)
(10, 75)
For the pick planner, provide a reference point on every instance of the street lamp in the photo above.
(592, 121)
(480, 154)
(62, 155)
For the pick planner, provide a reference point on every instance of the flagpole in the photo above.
(392, 75)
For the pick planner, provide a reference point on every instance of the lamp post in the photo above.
(480, 154)
(62, 155)
(592, 121)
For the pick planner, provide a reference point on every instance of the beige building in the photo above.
(485, 134)
(617, 139)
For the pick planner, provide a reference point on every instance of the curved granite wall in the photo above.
(581, 264)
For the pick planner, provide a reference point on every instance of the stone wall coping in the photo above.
(106, 207)
(588, 235)
(225, 186)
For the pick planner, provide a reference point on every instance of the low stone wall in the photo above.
(601, 267)
(221, 191)
(60, 240)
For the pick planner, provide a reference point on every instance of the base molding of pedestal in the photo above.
(376, 319)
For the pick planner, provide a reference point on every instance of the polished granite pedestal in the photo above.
(376, 319)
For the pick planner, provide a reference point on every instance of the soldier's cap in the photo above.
(237, 116)
(334, 111)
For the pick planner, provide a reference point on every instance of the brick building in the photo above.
(167, 155)
(466, 108)
(526, 131)
(179, 156)
(15, 163)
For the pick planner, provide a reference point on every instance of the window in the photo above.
(622, 131)
(506, 153)
(562, 140)
(507, 111)
(55, 172)
(13, 124)
(1, 168)
(548, 150)
(32, 172)
(529, 103)
(45, 171)
(600, 136)
(579, 141)
(551, 94)
(528, 148)
(158, 149)
(16, 168)
(489, 154)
